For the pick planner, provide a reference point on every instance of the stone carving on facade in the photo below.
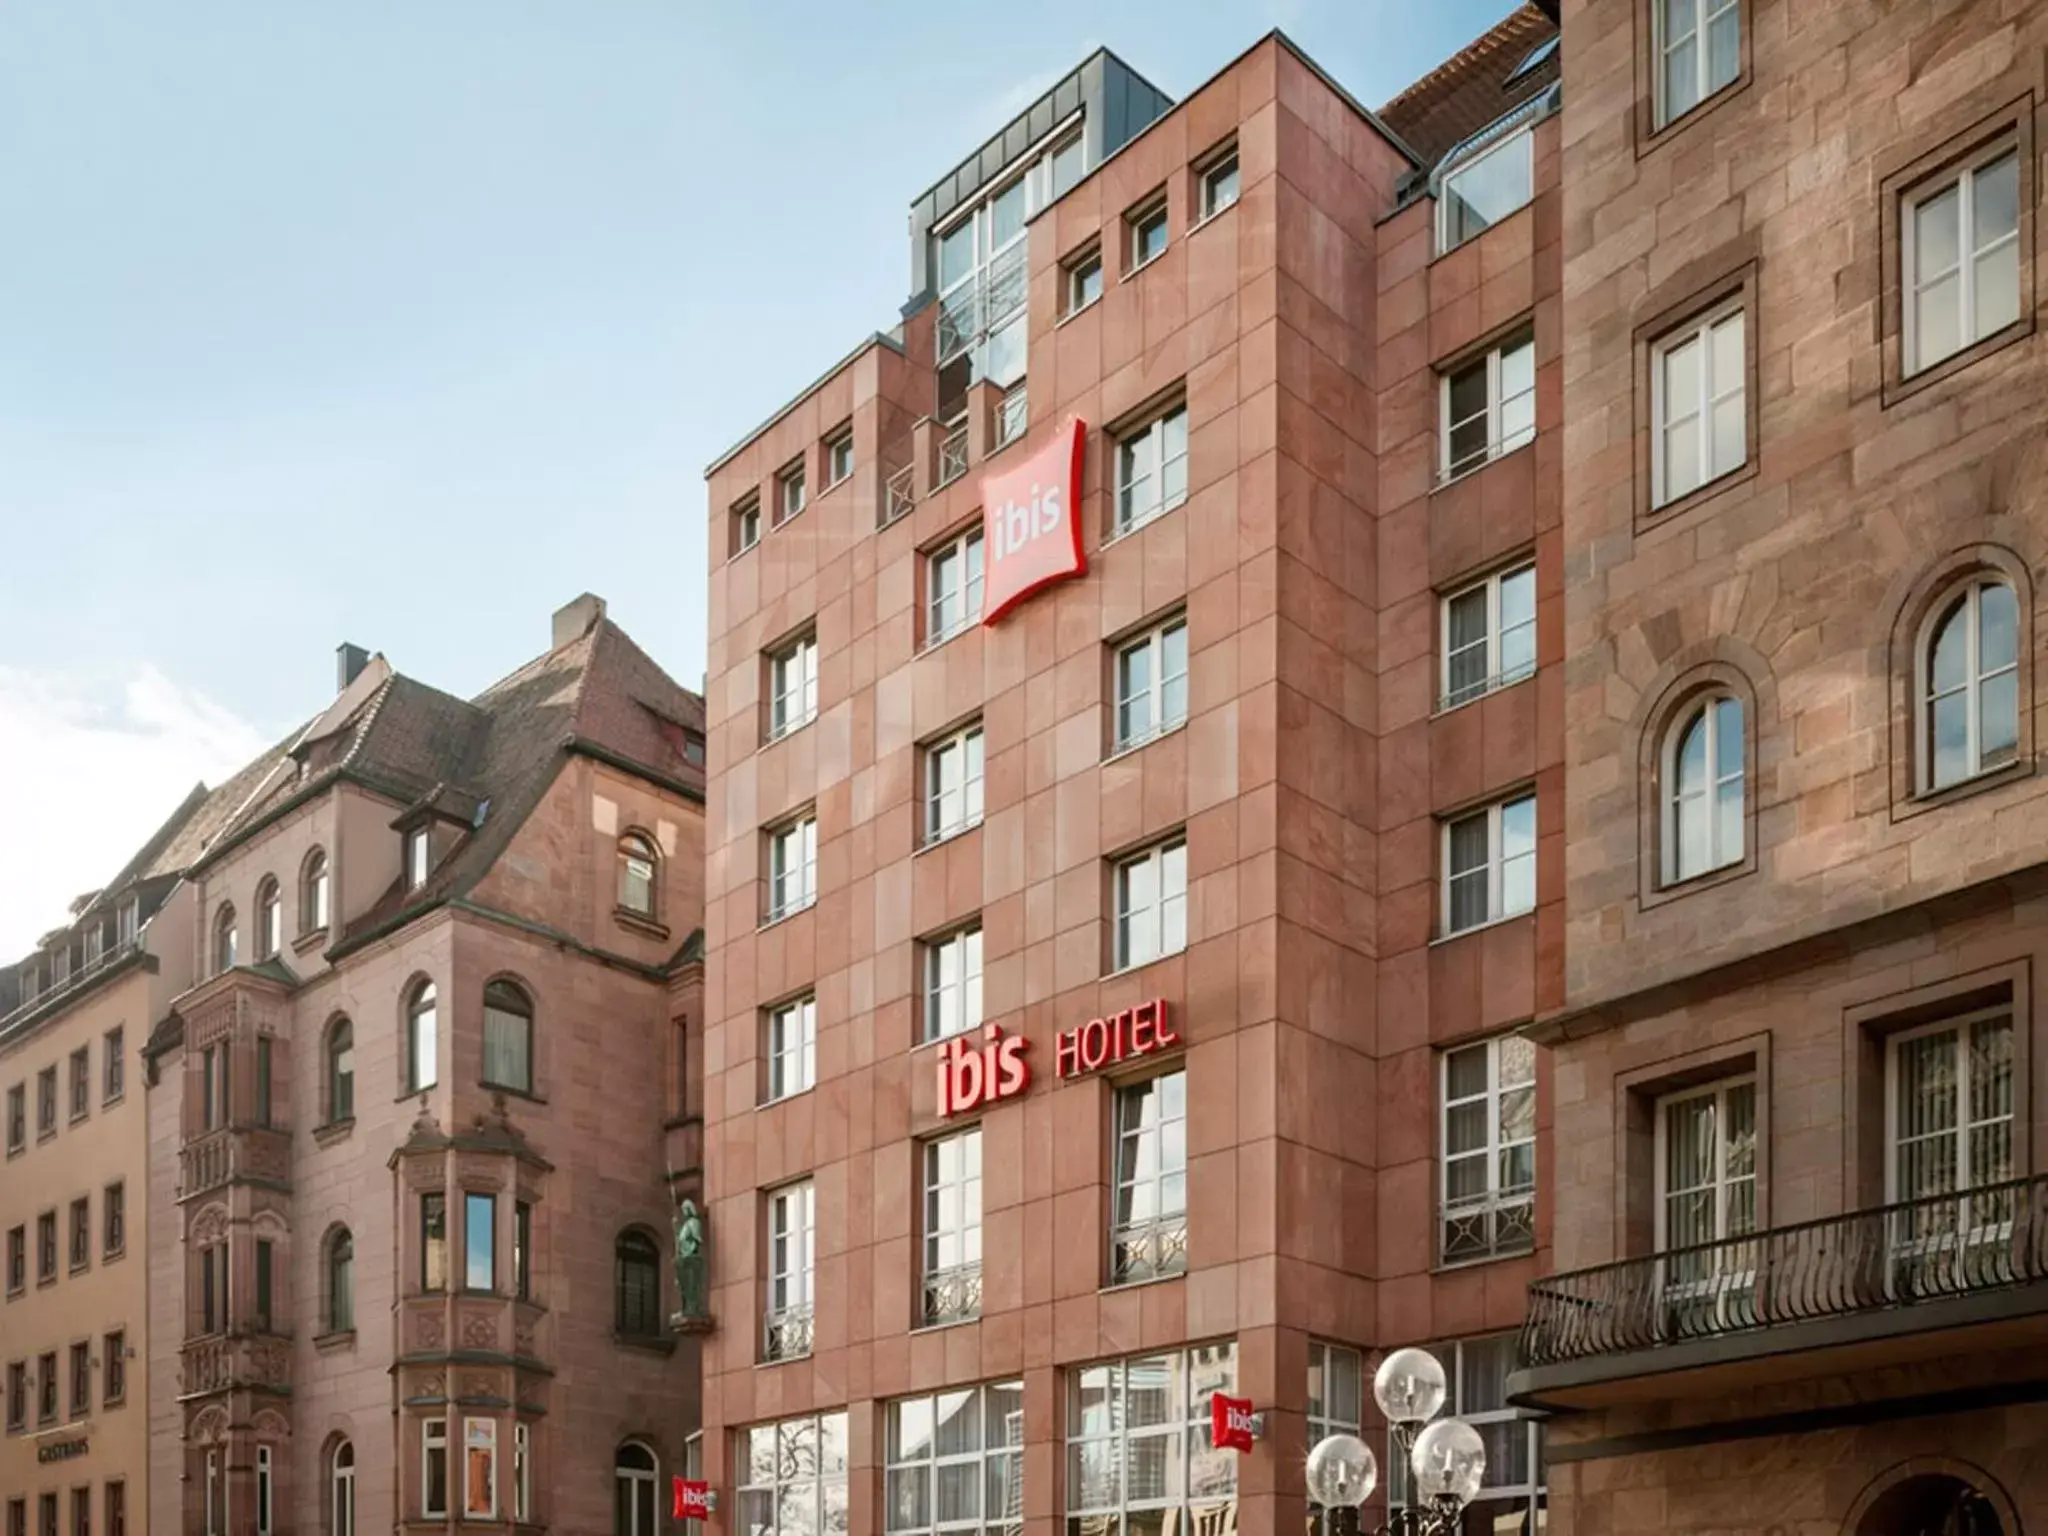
(209, 1425)
(209, 1226)
(692, 1264)
(523, 1339)
(272, 1425)
(475, 1386)
(428, 1330)
(479, 1331)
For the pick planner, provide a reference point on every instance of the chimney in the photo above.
(575, 620)
(349, 661)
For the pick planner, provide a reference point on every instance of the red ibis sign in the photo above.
(1232, 1424)
(1031, 523)
(971, 1076)
(692, 1499)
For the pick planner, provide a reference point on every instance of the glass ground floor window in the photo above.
(794, 1477)
(1512, 1500)
(1139, 1459)
(956, 1461)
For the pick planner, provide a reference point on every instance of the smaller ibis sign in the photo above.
(692, 1499)
(1031, 523)
(1232, 1424)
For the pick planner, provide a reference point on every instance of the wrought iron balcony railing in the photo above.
(786, 1334)
(1012, 416)
(952, 1295)
(953, 455)
(1149, 1250)
(899, 494)
(1894, 1256)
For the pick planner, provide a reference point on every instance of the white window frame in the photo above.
(522, 1472)
(215, 1516)
(269, 920)
(1704, 13)
(792, 886)
(1969, 327)
(1707, 713)
(1142, 458)
(1145, 216)
(1500, 439)
(839, 457)
(342, 1490)
(433, 1438)
(792, 685)
(487, 1443)
(955, 610)
(127, 920)
(949, 1223)
(1221, 164)
(746, 523)
(1962, 1027)
(1165, 911)
(1966, 605)
(967, 748)
(791, 1270)
(264, 1490)
(791, 1049)
(790, 492)
(1496, 866)
(1158, 688)
(1498, 673)
(1105, 1443)
(645, 1483)
(1326, 1410)
(914, 1462)
(1148, 1213)
(952, 1007)
(1533, 1497)
(419, 857)
(1523, 142)
(825, 1461)
(1496, 1199)
(1076, 274)
(1718, 1289)
(1713, 393)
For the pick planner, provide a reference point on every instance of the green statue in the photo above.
(691, 1277)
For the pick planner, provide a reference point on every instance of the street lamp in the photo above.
(1446, 1456)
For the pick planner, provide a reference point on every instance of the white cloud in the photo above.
(90, 765)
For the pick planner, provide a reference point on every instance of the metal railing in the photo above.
(786, 1335)
(952, 1295)
(953, 455)
(1150, 1249)
(1012, 416)
(1490, 1227)
(75, 978)
(983, 303)
(1480, 687)
(899, 494)
(1893, 1256)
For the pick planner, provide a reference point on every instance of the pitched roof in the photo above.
(1471, 89)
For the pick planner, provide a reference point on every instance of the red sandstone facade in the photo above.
(410, 1234)
(1284, 1040)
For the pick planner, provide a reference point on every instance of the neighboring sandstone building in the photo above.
(1800, 1069)
(1237, 854)
(410, 1236)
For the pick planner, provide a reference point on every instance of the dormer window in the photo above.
(419, 857)
(129, 919)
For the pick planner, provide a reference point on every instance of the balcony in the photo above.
(1012, 416)
(222, 1156)
(1867, 1288)
(223, 1361)
(899, 494)
(786, 1334)
(952, 455)
(77, 979)
(952, 1295)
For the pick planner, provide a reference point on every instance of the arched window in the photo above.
(637, 1286)
(1931, 1504)
(313, 894)
(224, 939)
(341, 1281)
(508, 1038)
(341, 1071)
(1703, 785)
(342, 1485)
(634, 1474)
(422, 1039)
(269, 919)
(1969, 686)
(637, 865)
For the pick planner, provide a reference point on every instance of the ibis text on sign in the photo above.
(1031, 523)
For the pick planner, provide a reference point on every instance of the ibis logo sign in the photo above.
(969, 1077)
(1031, 523)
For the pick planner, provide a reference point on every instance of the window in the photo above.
(746, 523)
(1706, 1194)
(953, 784)
(838, 456)
(789, 491)
(792, 686)
(17, 1516)
(213, 1288)
(46, 1388)
(434, 1467)
(792, 1476)
(637, 864)
(1083, 279)
(1490, 864)
(1219, 182)
(342, 1491)
(1698, 52)
(1145, 229)
(46, 1516)
(113, 1066)
(508, 1038)
(263, 1490)
(1149, 1233)
(127, 920)
(1949, 1103)
(313, 893)
(952, 1228)
(792, 867)
(263, 1055)
(46, 1247)
(81, 1379)
(117, 1510)
(17, 1260)
(423, 1055)
(792, 1049)
(1511, 1495)
(1335, 1407)
(433, 1241)
(1702, 774)
(952, 983)
(1152, 470)
(956, 1462)
(1488, 406)
(636, 1286)
(1969, 686)
(46, 1103)
(269, 919)
(1485, 189)
(479, 1242)
(1152, 683)
(213, 1099)
(17, 1394)
(952, 587)
(1960, 245)
(480, 1469)
(341, 1281)
(522, 1250)
(17, 1118)
(1699, 418)
(113, 1221)
(635, 1478)
(81, 1232)
(224, 940)
(81, 1082)
(1138, 1451)
(419, 857)
(792, 1216)
(1489, 1149)
(522, 1472)
(265, 1310)
(1152, 904)
(114, 1372)
(1489, 635)
(341, 1072)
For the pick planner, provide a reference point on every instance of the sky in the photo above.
(403, 322)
